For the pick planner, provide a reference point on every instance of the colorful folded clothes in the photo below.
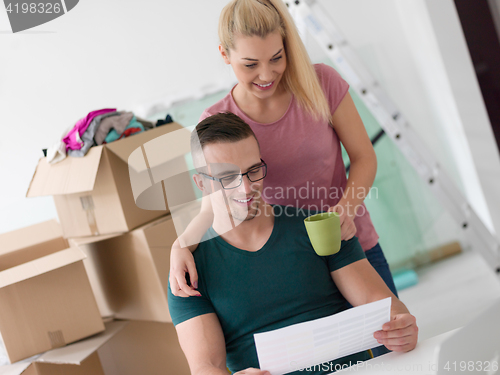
(132, 128)
(99, 127)
(88, 136)
(73, 138)
(118, 123)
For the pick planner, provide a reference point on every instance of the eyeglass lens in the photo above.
(254, 175)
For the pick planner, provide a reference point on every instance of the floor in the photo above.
(451, 293)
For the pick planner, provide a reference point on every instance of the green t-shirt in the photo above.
(283, 283)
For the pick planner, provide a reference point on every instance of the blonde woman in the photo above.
(300, 113)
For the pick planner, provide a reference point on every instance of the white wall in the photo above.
(126, 54)
(100, 54)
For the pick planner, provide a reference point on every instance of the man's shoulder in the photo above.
(207, 242)
(293, 212)
(292, 215)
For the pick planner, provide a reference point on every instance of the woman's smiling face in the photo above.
(258, 63)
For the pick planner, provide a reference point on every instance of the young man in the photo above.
(264, 274)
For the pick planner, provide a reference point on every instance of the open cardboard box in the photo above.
(125, 348)
(129, 272)
(45, 296)
(102, 193)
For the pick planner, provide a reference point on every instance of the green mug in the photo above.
(323, 230)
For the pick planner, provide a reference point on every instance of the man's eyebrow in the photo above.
(249, 59)
(234, 171)
(255, 165)
(228, 172)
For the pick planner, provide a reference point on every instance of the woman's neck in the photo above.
(266, 110)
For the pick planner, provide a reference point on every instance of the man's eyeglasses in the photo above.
(233, 181)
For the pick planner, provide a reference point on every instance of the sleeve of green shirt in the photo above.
(350, 252)
(185, 308)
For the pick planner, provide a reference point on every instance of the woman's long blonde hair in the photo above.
(262, 17)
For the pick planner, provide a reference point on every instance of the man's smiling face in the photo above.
(231, 158)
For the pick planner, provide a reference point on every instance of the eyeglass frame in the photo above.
(219, 180)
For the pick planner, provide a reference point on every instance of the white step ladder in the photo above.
(309, 14)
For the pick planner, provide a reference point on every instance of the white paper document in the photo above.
(311, 343)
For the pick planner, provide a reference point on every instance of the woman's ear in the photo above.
(224, 54)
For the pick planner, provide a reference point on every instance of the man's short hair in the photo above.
(219, 128)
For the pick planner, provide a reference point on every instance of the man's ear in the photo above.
(224, 54)
(198, 180)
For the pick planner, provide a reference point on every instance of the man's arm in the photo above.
(202, 342)
(359, 283)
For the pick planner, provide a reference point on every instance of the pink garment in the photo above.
(73, 138)
(304, 157)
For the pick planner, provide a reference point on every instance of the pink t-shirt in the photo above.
(304, 157)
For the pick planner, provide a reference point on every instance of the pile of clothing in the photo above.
(99, 127)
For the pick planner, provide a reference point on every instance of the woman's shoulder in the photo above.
(326, 72)
(223, 105)
(334, 86)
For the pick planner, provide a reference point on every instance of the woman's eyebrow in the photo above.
(277, 53)
(249, 59)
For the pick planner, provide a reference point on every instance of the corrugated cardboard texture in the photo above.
(144, 348)
(48, 310)
(78, 352)
(96, 212)
(93, 194)
(27, 237)
(17, 369)
(160, 236)
(72, 175)
(134, 216)
(90, 366)
(23, 245)
(39, 266)
(124, 148)
(129, 273)
(125, 348)
(80, 358)
(113, 208)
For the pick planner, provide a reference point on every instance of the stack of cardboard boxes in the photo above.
(91, 293)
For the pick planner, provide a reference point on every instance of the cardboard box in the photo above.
(125, 348)
(94, 194)
(129, 272)
(45, 296)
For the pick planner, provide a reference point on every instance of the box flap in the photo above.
(178, 143)
(160, 233)
(80, 241)
(14, 369)
(72, 175)
(77, 352)
(39, 266)
(30, 236)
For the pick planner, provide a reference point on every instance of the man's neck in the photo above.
(251, 235)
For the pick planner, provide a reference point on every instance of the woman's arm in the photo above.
(351, 132)
(181, 257)
(197, 227)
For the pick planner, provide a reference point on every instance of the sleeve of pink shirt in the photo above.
(204, 115)
(334, 86)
